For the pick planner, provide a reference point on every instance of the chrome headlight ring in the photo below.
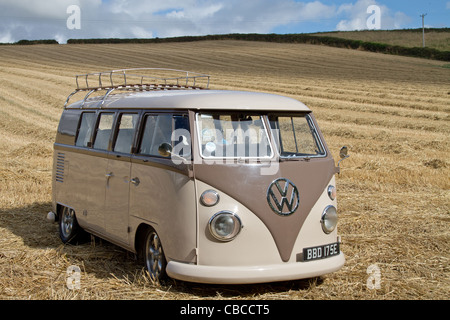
(225, 225)
(329, 219)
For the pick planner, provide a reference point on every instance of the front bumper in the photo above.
(254, 274)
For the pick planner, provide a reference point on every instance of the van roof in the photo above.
(193, 99)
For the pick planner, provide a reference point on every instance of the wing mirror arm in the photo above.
(343, 154)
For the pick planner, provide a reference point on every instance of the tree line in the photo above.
(428, 53)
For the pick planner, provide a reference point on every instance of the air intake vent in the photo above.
(60, 167)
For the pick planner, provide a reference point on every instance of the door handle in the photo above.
(135, 181)
(109, 175)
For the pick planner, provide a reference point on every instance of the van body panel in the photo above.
(253, 246)
(83, 188)
(165, 200)
(253, 256)
(311, 178)
(117, 188)
(311, 234)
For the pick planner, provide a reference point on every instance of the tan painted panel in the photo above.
(165, 200)
(83, 188)
(116, 200)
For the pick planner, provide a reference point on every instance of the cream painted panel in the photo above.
(253, 246)
(165, 200)
(311, 233)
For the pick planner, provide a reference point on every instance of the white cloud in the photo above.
(139, 32)
(133, 18)
(6, 37)
(356, 16)
(31, 19)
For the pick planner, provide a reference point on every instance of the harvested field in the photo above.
(435, 38)
(393, 193)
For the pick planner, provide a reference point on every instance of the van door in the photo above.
(91, 169)
(118, 179)
(165, 196)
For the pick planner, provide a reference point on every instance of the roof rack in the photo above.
(137, 79)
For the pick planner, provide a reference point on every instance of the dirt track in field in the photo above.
(393, 194)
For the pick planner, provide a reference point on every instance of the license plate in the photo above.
(321, 252)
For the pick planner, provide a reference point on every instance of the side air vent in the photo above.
(59, 176)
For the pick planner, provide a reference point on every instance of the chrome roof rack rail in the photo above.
(137, 79)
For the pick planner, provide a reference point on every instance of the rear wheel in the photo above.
(69, 230)
(154, 259)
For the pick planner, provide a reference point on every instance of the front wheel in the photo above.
(154, 256)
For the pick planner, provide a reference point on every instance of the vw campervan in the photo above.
(210, 186)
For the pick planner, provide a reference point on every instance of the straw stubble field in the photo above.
(392, 112)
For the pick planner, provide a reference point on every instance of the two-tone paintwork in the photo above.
(101, 187)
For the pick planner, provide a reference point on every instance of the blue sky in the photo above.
(401, 14)
(56, 19)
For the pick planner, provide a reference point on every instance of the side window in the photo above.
(125, 135)
(181, 137)
(104, 130)
(86, 127)
(147, 135)
(159, 129)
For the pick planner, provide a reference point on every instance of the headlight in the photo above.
(209, 198)
(329, 219)
(225, 225)
(332, 192)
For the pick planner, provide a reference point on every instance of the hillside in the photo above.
(392, 112)
(395, 42)
(434, 38)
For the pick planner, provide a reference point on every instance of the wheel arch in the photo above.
(139, 237)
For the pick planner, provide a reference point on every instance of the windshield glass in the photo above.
(233, 135)
(296, 136)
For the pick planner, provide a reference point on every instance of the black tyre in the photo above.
(153, 255)
(69, 230)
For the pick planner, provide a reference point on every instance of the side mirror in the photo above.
(343, 153)
(165, 149)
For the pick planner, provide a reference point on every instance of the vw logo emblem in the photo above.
(283, 197)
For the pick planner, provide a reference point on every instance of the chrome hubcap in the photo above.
(67, 221)
(154, 256)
